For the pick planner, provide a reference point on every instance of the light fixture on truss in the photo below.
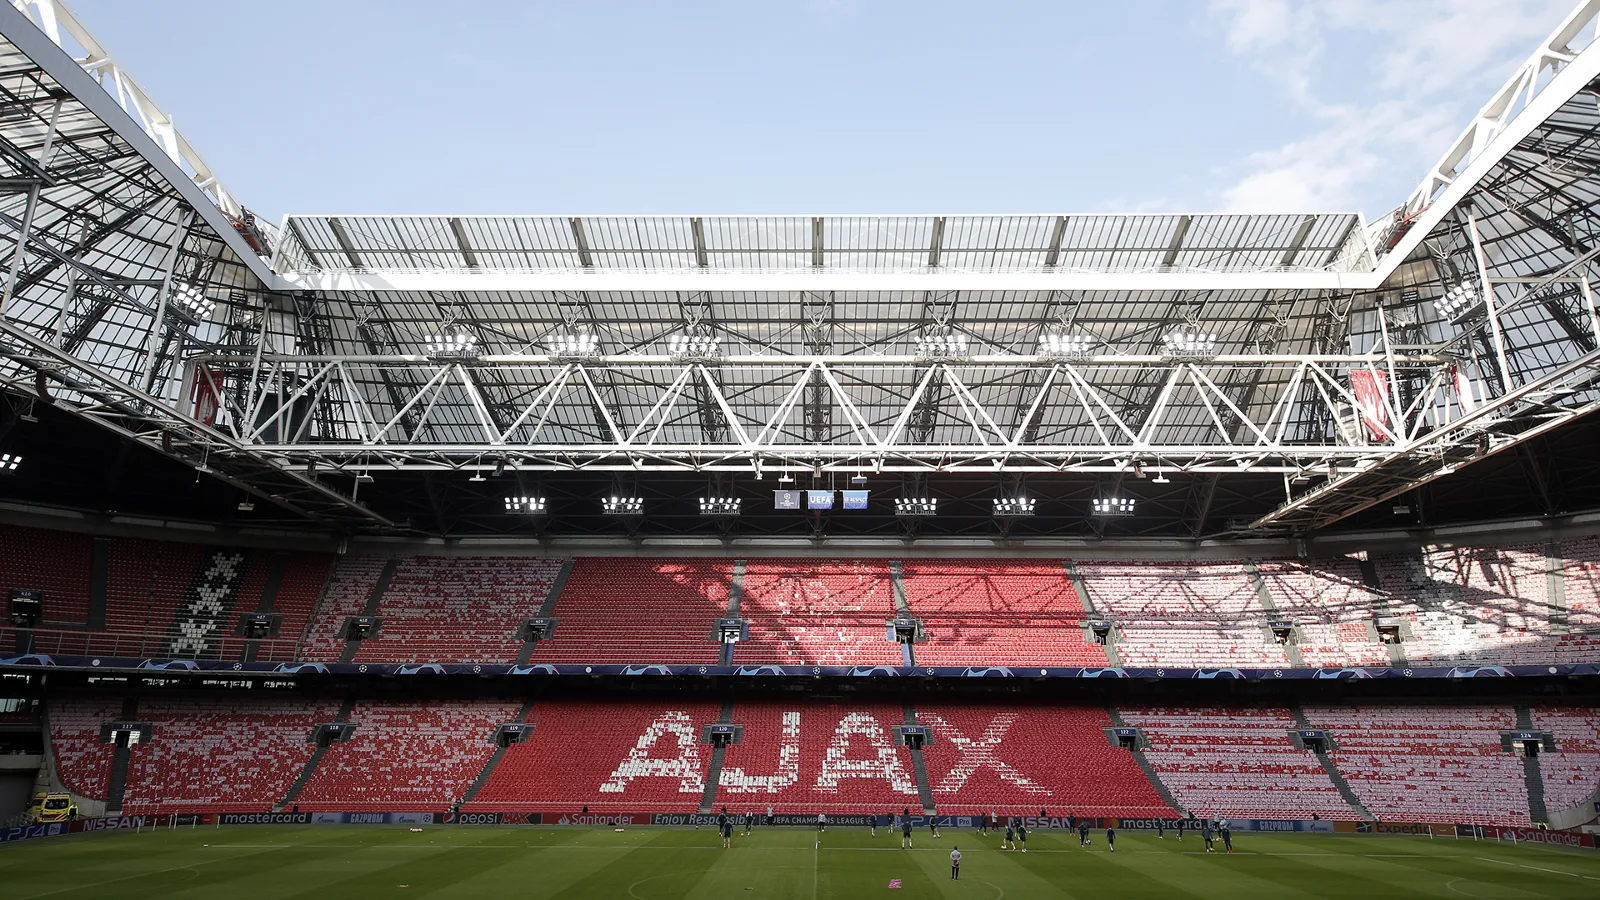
(621, 506)
(9, 462)
(720, 506)
(1112, 506)
(1457, 299)
(1013, 507)
(1060, 345)
(524, 505)
(457, 344)
(943, 348)
(192, 300)
(916, 506)
(567, 346)
(695, 348)
(1189, 345)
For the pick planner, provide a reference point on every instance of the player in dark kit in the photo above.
(1205, 834)
(905, 830)
(1083, 833)
(1111, 839)
(1161, 828)
(1227, 836)
(1010, 843)
(749, 822)
(1179, 826)
(1022, 835)
(725, 828)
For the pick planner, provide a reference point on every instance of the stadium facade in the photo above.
(440, 497)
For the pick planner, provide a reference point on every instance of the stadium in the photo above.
(450, 554)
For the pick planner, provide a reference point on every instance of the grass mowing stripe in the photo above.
(128, 877)
(1539, 868)
(444, 863)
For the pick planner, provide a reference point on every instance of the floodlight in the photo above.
(1066, 346)
(9, 462)
(1011, 507)
(622, 506)
(1112, 506)
(456, 345)
(1457, 299)
(720, 506)
(916, 506)
(942, 347)
(192, 299)
(531, 506)
(1190, 344)
(574, 345)
(694, 347)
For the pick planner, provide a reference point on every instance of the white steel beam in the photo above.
(827, 279)
(638, 432)
(150, 132)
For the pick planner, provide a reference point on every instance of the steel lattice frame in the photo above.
(313, 363)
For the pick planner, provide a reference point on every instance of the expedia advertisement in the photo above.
(1413, 828)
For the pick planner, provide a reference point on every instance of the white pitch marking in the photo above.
(1537, 868)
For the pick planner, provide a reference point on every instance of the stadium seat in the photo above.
(1471, 605)
(1571, 773)
(82, 762)
(608, 755)
(1183, 614)
(1332, 609)
(347, 593)
(407, 756)
(1017, 759)
(639, 611)
(210, 755)
(1236, 763)
(1007, 612)
(451, 609)
(1428, 763)
(818, 612)
(808, 757)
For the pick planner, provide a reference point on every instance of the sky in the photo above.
(820, 106)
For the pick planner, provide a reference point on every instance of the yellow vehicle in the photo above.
(47, 808)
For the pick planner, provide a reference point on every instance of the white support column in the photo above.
(1588, 305)
(20, 251)
(1488, 301)
(152, 345)
(32, 207)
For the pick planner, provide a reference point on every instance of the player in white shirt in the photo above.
(955, 864)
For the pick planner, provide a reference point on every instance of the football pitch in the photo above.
(335, 863)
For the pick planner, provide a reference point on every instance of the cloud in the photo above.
(1429, 64)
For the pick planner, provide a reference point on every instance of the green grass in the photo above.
(340, 862)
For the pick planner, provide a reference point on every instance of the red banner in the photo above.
(1465, 397)
(1369, 387)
